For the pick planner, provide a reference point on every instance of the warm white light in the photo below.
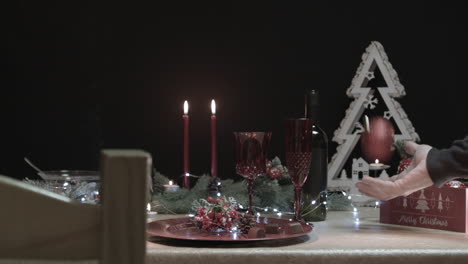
(170, 182)
(213, 107)
(376, 161)
(366, 121)
(185, 107)
(148, 207)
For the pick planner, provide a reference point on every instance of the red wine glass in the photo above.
(251, 155)
(298, 150)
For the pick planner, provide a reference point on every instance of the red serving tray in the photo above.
(185, 229)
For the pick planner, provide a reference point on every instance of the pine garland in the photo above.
(267, 194)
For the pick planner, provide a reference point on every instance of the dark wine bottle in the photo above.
(315, 188)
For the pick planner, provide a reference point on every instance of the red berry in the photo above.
(404, 163)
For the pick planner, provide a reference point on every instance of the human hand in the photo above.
(414, 178)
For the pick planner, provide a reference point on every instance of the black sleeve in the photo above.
(448, 164)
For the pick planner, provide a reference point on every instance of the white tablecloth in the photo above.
(340, 239)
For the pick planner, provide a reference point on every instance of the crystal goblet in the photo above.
(298, 148)
(251, 154)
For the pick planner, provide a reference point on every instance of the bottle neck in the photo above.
(313, 113)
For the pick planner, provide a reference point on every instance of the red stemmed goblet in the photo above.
(251, 156)
(298, 150)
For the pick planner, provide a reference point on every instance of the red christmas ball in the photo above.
(378, 142)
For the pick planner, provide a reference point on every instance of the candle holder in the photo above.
(376, 167)
(171, 187)
(150, 214)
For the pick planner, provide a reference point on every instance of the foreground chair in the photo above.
(37, 224)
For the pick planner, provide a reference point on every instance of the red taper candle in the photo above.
(214, 143)
(186, 147)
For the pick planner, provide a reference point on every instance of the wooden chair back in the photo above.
(38, 224)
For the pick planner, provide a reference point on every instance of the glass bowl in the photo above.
(70, 175)
(80, 185)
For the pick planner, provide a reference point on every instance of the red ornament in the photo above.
(378, 142)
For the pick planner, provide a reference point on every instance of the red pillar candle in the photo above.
(186, 147)
(214, 146)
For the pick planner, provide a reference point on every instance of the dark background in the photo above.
(80, 76)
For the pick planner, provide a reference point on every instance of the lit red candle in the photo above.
(186, 146)
(214, 146)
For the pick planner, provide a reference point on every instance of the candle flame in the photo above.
(185, 107)
(170, 182)
(213, 107)
(148, 207)
(376, 161)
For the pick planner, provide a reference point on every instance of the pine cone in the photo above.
(245, 222)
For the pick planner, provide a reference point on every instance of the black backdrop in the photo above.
(82, 76)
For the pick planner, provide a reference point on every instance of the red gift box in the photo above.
(444, 208)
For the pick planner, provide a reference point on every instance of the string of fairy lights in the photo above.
(267, 211)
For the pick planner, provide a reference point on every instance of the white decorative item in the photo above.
(440, 206)
(422, 202)
(349, 132)
(384, 175)
(343, 176)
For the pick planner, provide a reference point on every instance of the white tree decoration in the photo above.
(440, 206)
(348, 133)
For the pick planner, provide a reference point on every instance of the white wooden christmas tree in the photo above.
(349, 132)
